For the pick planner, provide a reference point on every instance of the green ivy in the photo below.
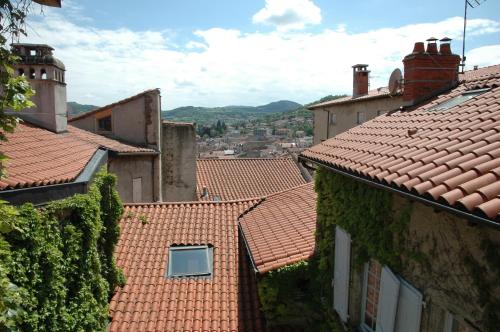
(61, 261)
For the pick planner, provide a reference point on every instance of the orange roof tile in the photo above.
(372, 94)
(280, 230)
(150, 301)
(107, 143)
(246, 178)
(451, 156)
(40, 157)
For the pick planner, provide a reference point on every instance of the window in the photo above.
(32, 73)
(372, 293)
(389, 303)
(452, 324)
(20, 72)
(464, 97)
(333, 118)
(104, 124)
(190, 261)
(43, 74)
(360, 117)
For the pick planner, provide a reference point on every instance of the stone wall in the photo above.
(179, 153)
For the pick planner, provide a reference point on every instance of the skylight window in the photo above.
(190, 261)
(464, 97)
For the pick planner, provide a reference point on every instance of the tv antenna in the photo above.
(471, 4)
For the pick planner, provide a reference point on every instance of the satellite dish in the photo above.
(395, 81)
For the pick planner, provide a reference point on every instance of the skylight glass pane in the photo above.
(466, 96)
(190, 261)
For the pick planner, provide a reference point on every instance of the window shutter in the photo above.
(387, 301)
(341, 272)
(409, 308)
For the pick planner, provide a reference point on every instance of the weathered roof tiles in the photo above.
(451, 156)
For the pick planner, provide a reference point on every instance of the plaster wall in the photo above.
(346, 115)
(128, 168)
(87, 123)
(50, 110)
(179, 153)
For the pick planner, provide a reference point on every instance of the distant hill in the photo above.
(75, 108)
(228, 114)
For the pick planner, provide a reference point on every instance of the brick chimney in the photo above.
(359, 80)
(429, 71)
(45, 73)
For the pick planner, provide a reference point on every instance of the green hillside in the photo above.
(228, 114)
(75, 108)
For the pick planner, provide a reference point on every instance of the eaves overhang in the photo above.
(474, 218)
(41, 195)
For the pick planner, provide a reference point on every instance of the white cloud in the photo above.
(222, 67)
(288, 14)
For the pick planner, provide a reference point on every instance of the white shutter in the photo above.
(341, 272)
(409, 309)
(387, 301)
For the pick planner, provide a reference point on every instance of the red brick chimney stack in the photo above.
(429, 72)
(359, 80)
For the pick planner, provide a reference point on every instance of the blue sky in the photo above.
(215, 53)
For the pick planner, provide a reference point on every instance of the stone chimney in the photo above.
(429, 71)
(178, 159)
(45, 74)
(359, 80)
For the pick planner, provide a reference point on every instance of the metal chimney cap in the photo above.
(432, 39)
(445, 40)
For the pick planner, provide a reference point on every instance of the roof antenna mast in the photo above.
(472, 4)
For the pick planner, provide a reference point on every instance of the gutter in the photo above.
(41, 195)
(459, 213)
(247, 248)
(138, 153)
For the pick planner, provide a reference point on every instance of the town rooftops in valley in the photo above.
(153, 301)
(280, 230)
(445, 150)
(227, 179)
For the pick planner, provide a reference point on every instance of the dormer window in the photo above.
(190, 261)
(104, 124)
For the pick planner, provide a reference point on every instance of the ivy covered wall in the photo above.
(57, 270)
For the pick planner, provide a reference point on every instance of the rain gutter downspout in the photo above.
(462, 214)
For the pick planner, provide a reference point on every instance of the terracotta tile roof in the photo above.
(246, 178)
(104, 108)
(40, 157)
(451, 156)
(280, 230)
(372, 94)
(107, 143)
(150, 301)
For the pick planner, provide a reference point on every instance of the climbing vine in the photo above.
(60, 259)
(305, 290)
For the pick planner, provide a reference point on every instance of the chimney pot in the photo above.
(444, 46)
(419, 47)
(432, 46)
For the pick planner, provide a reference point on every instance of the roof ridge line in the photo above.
(244, 200)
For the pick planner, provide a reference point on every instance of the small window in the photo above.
(104, 124)
(360, 117)
(464, 97)
(190, 261)
(20, 72)
(372, 295)
(32, 73)
(33, 52)
(333, 119)
(43, 74)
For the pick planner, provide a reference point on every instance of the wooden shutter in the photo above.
(387, 301)
(341, 272)
(409, 308)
